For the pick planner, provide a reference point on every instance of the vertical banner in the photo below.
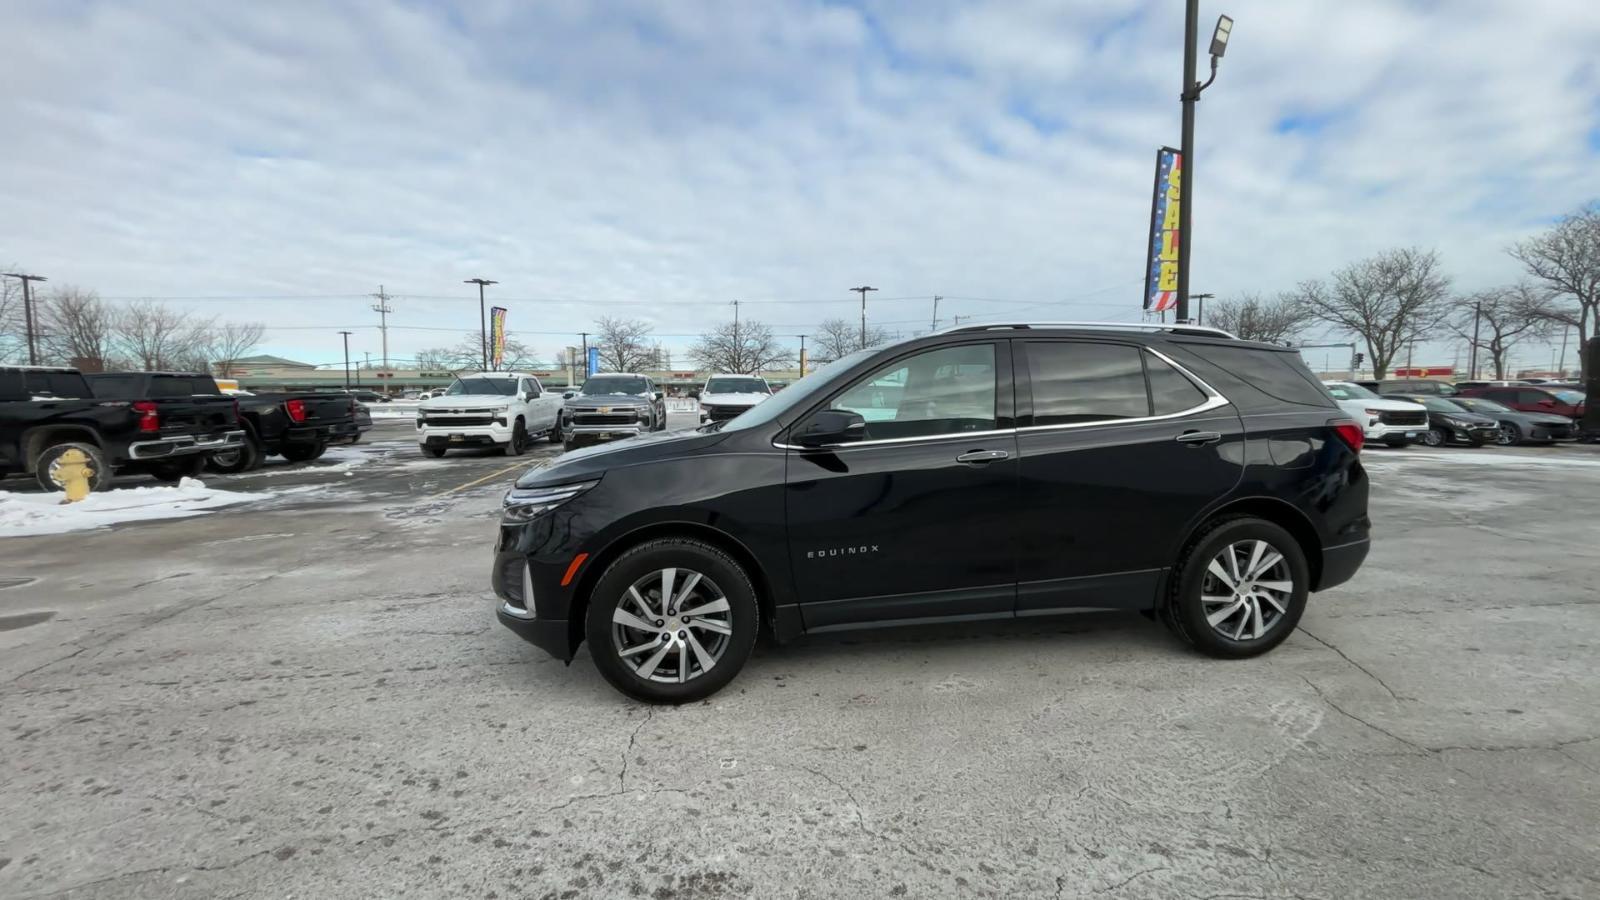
(497, 336)
(1161, 262)
(594, 361)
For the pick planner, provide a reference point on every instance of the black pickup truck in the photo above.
(298, 427)
(45, 411)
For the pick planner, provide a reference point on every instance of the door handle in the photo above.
(982, 456)
(1198, 438)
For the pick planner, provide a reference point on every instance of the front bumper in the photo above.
(517, 581)
(606, 431)
(1542, 432)
(1474, 433)
(435, 434)
(720, 413)
(1377, 431)
(185, 444)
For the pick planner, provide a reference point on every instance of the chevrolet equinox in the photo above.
(985, 472)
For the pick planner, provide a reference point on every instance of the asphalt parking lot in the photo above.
(309, 696)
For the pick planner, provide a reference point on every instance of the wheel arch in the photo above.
(1273, 510)
(596, 567)
(37, 439)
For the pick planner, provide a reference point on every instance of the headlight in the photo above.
(644, 413)
(524, 504)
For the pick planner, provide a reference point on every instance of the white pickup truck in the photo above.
(508, 410)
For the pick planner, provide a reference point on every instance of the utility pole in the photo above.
(346, 359)
(368, 355)
(383, 309)
(863, 292)
(1190, 96)
(802, 356)
(483, 323)
(1477, 311)
(1199, 309)
(935, 325)
(1562, 365)
(27, 313)
(585, 335)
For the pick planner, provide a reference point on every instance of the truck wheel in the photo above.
(304, 452)
(431, 450)
(243, 459)
(519, 439)
(47, 468)
(173, 471)
(555, 432)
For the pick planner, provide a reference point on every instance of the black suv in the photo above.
(986, 472)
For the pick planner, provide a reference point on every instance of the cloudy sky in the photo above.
(658, 160)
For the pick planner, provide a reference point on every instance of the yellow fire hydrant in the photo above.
(73, 471)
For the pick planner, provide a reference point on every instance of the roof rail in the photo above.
(1108, 326)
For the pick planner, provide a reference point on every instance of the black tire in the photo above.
(1435, 437)
(436, 452)
(1184, 612)
(1397, 443)
(304, 452)
(569, 445)
(555, 432)
(229, 462)
(519, 438)
(717, 568)
(1510, 434)
(100, 480)
(173, 471)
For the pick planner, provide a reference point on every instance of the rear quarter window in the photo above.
(182, 386)
(1255, 375)
(115, 387)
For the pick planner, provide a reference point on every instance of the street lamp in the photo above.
(863, 292)
(483, 323)
(1191, 95)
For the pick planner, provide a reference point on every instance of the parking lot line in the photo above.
(478, 481)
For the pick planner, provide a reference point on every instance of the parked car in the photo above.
(369, 396)
(363, 417)
(727, 396)
(609, 406)
(504, 410)
(46, 411)
(1449, 422)
(1021, 471)
(1394, 421)
(1463, 385)
(1426, 387)
(1517, 427)
(1559, 401)
(296, 426)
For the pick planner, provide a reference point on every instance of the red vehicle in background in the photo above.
(1563, 401)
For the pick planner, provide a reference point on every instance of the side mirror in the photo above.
(659, 395)
(832, 426)
(569, 395)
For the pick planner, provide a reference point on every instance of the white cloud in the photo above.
(661, 159)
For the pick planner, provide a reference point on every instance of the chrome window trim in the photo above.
(905, 440)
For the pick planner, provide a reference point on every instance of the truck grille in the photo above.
(723, 413)
(1393, 417)
(594, 418)
(458, 421)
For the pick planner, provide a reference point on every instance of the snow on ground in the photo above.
(333, 461)
(28, 514)
(1552, 456)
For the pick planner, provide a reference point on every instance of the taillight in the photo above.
(1349, 432)
(296, 409)
(149, 418)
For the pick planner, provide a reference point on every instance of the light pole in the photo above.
(1191, 95)
(802, 356)
(346, 359)
(863, 292)
(27, 312)
(1199, 310)
(483, 322)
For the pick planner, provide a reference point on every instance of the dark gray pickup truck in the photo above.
(165, 432)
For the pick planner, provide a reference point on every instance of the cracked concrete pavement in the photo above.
(314, 700)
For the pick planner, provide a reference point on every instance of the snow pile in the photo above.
(25, 514)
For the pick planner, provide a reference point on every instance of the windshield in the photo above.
(505, 387)
(816, 382)
(612, 384)
(1477, 404)
(1437, 404)
(1568, 396)
(736, 386)
(1350, 392)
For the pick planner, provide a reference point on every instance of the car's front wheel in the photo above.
(672, 621)
(1509, 434)
(1435, 437)
(1239, 589)
(434, 450)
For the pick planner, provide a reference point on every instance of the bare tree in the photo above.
(517, 355)
(227, 342)
(741, 347)
(1496, 319)
(155, 337)
(76, 328)
(623, 344)
(1388, 300)
(1254, 319)
(837, 337)
(1566, 262)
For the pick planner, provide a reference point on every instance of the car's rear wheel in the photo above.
(1509, 434)
(1239, 589)
(304, 452)
(672, 621)
(240, 459)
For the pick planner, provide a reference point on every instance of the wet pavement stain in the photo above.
(11, 581)
(23, 620)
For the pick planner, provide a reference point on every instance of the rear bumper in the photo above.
(1339, 564)
(182, 445)
(341, 433)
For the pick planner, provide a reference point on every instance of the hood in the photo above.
(732, 399)
(587, 400)
(1464, 416)
(592, 462)
(1386, 403)
(463, 401)
(1538, 418)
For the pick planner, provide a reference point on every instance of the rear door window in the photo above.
(1076, 381)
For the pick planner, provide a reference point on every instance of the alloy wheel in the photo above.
(1433, 437)
(1507, 435)
(226, 457)
(1247, 590)
(672, 625)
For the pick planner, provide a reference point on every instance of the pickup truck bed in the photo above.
(296, 426)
